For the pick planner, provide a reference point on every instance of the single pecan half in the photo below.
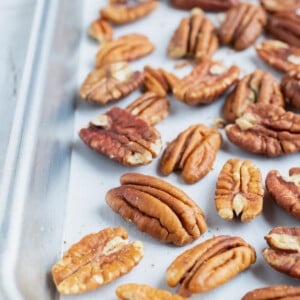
(126, 48)
(95, 260)
(110, 83)
(290, 86)
(285, 190)
(279, 55)
(258, 87)
(122, 137)
(193, 152)
(277, 6)
(206, 83)
(132, 291)
(284, 252)
(266, 129)
(211, 5)
(100, 30)
(210, 264)
(195, 37)
(242, 26)
(158, 208)
(150, 107)
(239, 191)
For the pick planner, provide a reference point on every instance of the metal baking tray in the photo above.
(53, 191)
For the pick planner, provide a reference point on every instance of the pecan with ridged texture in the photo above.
(150, 107)
(290, 86)
(193, 152)
(279, 55)
(96, 260)
(206, 83)
(122, 137)
(285, 190)
(110, 83)
(210, 5)
(278, 6)
(239, 191)
(126, 48)
(195, 37)
(210, 264)
(284, 252)
(158, 208)
(266, 129)
(258, 87)
(243, 24)
(101, 31)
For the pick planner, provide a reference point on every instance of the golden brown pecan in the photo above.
(239, 191)
(206, 83)
(242, 26)
(126, 48)
(101, 31)
(279, 55)
(193, 152)
(95, 260)
(211, 5)
(284, 252)
(258, 87)
(110, 83)
(285, 190)
(195, 37)
(132, 291)
(150, 107)
(122, 137)
(277, 6)
(210, 264)
(266, 129)
(158, 208)
(290, 86)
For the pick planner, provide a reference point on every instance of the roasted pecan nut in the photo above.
(210, 264)
(242, 26)
(277, 6)
(266, 129)
(239, 191)
(279, 55)
(132, 291)
(95, 260)
(150, 107)
(110, 83)
(158, 208)
(206, 83)
(285, 190)
(211, 5)
(290, 86)
(195, 37)
(193, 152)
(258, 87)
(284, 252)
(122, 137)
(101, 31)
(126, 48)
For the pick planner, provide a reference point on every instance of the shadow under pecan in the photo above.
(290, 86)
(277, 6)
(266, 129)
(101, 31)
(96, 260)
(158, 208)
(122, 137)
(210, 264)
(284, 252)
(210, 5)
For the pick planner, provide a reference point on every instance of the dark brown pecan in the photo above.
(242, 26)
(210, 5)
(101, 31)
(258, 87)
(266, 129)
(277, 6)
(290, 86)
(122, 137)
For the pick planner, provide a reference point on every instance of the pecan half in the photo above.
(239, 191)
(158, 208)
(277, 6)
(285, 190)
(122, 137)
(210, 264)
(150, 107)
(266, 129)
(194, 37)
(211, 5)
(242, 26)
(258, 87)
(110, 83)
(290, 86)
(101, 31)
(126, 48)
(132, 291)
(95, 260)
(279, 55)
(206, 83)
(193, 152)
(284, 252)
